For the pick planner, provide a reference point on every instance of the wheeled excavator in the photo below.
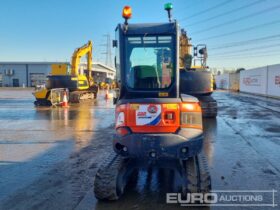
(80, 85)
(156, 126)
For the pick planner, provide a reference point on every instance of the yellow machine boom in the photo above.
(76, 57)
(185, 51)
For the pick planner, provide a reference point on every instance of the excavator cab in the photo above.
(149, 101)
(155, 125)
(146, 60)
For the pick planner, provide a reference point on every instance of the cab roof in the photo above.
(150, 28)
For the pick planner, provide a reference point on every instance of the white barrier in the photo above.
(273, 84)
(229, 81)
(263, 81)
(234, 79)
(222, 81)
(254, 81)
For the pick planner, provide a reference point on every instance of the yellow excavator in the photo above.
(79, 85)
(195, 78)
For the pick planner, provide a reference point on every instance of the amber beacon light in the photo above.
(127, 12)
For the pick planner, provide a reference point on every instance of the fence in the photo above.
(273, 80)
(228, 81)
(262, 81)
(57, 95)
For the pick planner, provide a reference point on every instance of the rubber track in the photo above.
(74, 97)
(209, 109)
(198, 174)
(106, 178)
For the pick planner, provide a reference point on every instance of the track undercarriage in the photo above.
(78, 96)
(74, 97)
(113, 175)
(209, 106)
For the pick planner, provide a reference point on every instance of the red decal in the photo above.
(141, 114)
(152, 108)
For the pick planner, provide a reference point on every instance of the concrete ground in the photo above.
(49, 156)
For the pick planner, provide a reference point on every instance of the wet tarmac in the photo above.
(48, 156)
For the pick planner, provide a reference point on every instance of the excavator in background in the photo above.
(106, 84)
(80, 86)
(195, 79)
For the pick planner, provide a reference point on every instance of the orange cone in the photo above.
(65, 101)
(108, 95)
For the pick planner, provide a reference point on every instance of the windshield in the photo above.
(149, 62)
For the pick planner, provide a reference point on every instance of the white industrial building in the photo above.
(100, 71)
(30, 74)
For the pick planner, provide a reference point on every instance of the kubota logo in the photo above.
(152, 109)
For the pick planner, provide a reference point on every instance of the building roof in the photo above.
(96, 66)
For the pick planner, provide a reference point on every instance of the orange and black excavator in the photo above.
(155, 124)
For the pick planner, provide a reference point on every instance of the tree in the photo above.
(239, 70)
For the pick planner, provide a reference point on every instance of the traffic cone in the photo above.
(107, 94)
(65, 101)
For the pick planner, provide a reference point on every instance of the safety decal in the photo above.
(148, 114)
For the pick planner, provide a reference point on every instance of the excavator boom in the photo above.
(76, 58)
(185, 51)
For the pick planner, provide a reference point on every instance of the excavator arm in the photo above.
(200, 54)
(185, 51)
(78, 53)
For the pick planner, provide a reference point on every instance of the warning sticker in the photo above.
(134, 106)
(148, 114)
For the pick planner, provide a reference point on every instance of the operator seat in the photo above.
(146, 77)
